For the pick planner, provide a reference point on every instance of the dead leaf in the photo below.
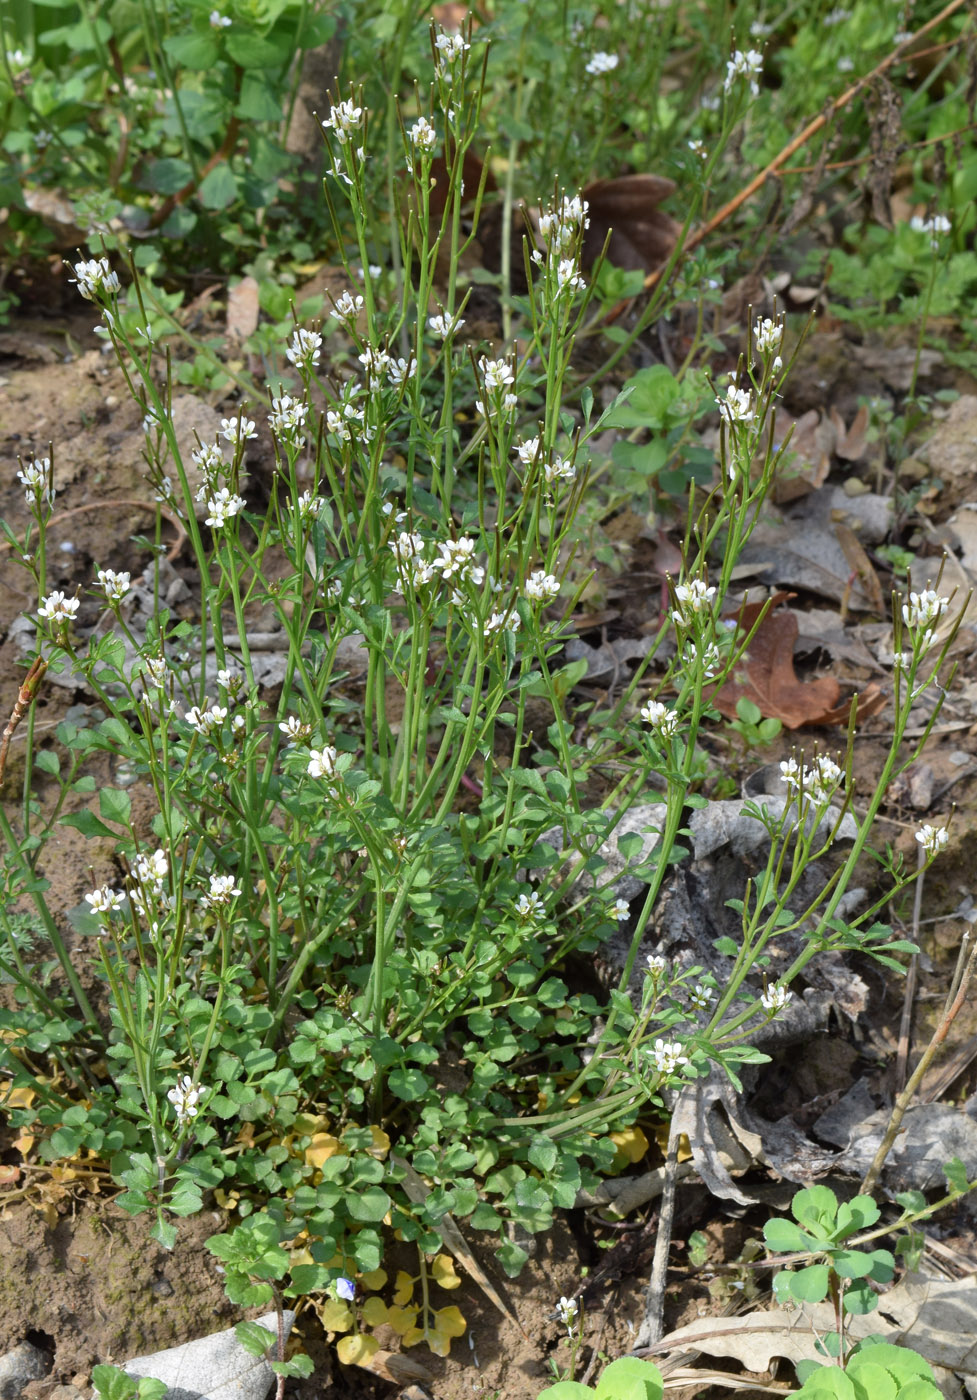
(766, 676)
(861, 566)
(242, 309)
(851, 441)
(626, 207)
(394, 1366)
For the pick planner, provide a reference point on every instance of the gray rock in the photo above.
(21, 1364)
(214, 1368)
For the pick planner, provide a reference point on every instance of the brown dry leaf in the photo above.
(627, 208)
(766, 676)
(242, 309)
(394, 1366)
(851, 441)
(809, 455)
(861, 566)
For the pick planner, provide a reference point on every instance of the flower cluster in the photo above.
(601, 63)
(935, 226)
(817, 782)
(205, 722)
(348, 306)
(303, 348)
(222, 507)
(184, 1097)
(58, 609)
(150, 874)
(568, 1311)
(36, 480)
(287, 420)
(767, 336)
(497, 376)
(663, 720)
(530, 906)
(776, 998)
(693, 598)
(344, 119)
(747, 65)
(222, 891)
(448, 49)
(444, 325)
(736, 407)
(105, 901)
(700, 996)
(94, 277)
(114, 586)
(924, 610)
(322, 763)
(541, 587)
(458, 561)
(561, 229)
(668, 1056)
(933, 839)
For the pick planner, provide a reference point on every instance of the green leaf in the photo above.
(89, 825)
(115, 805)
(218, 189)
(255, 1339)
(543, 1153)
(567, 1390)
(370, 1205)
(408, 1084)
(783, 1236)
(251, 51)
(956, 1175)
(809, 1285)
(195, 51)
(169, 175)
(630, 1378)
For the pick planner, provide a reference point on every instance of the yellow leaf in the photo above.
(24, 1143)
(334, 1315)
(374, 1312)
(443, 1270)
(19, 1098)
(411, 1338)
(227, 1200)
(631, 1145)
(450, 1322)
(403, 1288)
(381, 1143)
(297, 1256)
(356, 1350)
(374, 1280)
(402, 1320)
(321, 1148)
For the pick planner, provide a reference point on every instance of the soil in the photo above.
(80, 1279)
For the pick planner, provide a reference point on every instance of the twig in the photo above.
(905, 1025)
(812, 128)
(25, 696)
(652, 1325)
(165, 512)
(957, 996)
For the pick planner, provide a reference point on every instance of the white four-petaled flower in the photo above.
(933, 839)
(184, 1098)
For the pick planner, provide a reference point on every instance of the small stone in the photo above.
(21, 1364)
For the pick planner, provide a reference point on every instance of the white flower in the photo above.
(152, 870)
(775, 998)
(502, 622)
(557, 471)
(36, 481)
(660, 717)
(184, 1098)
(449, 48)
(822, 779)
(790, 773)
(701, 996)
(222, 891)
(399, 370)
(56, 607)
(736, 407)
(527, 451)
(767, 335)
(294, 730)
(230, 680)
(235, 430)
(621, 910)
(348, 306)
(496, 374)
(541, 587)
(693, 598)
(344, 119)
(210, 460)
(560, 227)
(303, 348)
(287, 418)
(405, 546)
(602, 63)
(668, 1056)
(219, 21)
(568, 1311)
(656, 966)
(698, 149)
(309, 507)
(94, 277)
(933, 839)
(568, 277)
(114, 586)
(222, 507)
(206, 721)
(375, 362)
(154, 671)
(748, 65)
(18, 60)
(322, 763)
(104, 900)
(443, 325)
(924, 609)
(530, 906)
(457, 559)
(423, 135)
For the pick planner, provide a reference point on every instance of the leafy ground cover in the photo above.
(515, 701)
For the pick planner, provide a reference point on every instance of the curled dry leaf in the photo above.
(766, 675)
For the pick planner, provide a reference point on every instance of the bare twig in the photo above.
(905, 1025)
(25, 697)
(966, 964)
(652, 1324)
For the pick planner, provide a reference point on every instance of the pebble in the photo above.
(24, 1362)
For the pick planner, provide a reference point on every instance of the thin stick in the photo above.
(25, 696)
(652, 1325)
(905, 1025)
(958, 995)
(812, 128)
